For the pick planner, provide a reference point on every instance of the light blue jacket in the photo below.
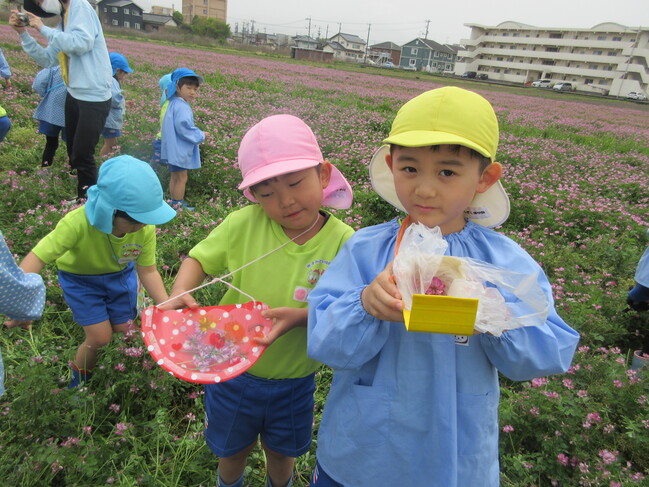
(22, 296)
(82, 39)
(180, 137)
(115, 117)
(5, 71)
(419, 409)
(48, 83)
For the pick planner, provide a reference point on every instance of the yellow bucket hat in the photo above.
(452, 116)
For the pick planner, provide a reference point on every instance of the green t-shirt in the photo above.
(80, 248)
(163, 110)
(283, 278)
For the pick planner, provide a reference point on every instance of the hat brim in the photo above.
(160, 215)
(338, 193)
(34, 8)
(488, 209)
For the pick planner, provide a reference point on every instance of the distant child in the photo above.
(164, 104)
(417, 409)
(180, 137)
(22, 296)
(5, 73)
(284, 172)
(115, 119)
(101, 248)
(50, 112)
(638, 300)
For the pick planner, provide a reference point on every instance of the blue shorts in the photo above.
(321, 479)
(107, 133)
(173, 168)
(46, 128)
(241, 409)
(94, 299)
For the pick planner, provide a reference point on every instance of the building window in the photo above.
(137, 26)
(601, 38)
(617, 38)
(127, 25)
(548, 62)
(598, 53)
(593, 66)
(126, 11)
(205, 11)
(414, 51)
(588, 81)
(114, 9)
(135, 13)
(105, 9)
(612, 53)
(115, 22)
(551, 49)
(499, 59)
(556, 36)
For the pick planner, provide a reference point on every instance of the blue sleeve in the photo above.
(22, 296)
(5, 72)
(118, 97)
(341, 333)
(45, 56)
(79, 36)
(41, 81)
(184, 125)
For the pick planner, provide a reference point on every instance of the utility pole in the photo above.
(426, 35)
(309, 31)
(367, 44)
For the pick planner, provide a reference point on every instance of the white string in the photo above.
(220, 279)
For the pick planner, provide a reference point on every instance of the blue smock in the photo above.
(419, 409)
(180, 137)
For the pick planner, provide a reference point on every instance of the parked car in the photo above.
(410, 67)
(469, 74)
(563, 87)
(483, 76)
(388, 64)
(636, 95)
(541, 83)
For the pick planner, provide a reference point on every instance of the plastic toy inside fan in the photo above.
(206, 345)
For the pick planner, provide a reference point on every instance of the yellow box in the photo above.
(441, 314)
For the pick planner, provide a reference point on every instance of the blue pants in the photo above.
(5, 125)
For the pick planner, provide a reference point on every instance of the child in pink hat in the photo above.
(294, 240)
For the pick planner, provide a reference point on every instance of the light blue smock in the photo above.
(642, 271)
(115, 117)
(419, 409)
(5, 71)
(180, 137)
(22, 296)
(48, 83)
(82, 39)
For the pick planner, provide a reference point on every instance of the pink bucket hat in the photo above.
(281, 144)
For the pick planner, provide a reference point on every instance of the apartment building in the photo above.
(217, 9)
(609, 59)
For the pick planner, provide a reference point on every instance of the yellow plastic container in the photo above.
(441, 314)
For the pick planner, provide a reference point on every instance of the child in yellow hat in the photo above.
(415, 408)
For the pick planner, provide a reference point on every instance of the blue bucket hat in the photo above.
(176, 75)
(117, 61)
(130, 185)
(164, 83)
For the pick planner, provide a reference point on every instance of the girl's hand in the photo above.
(284, 320)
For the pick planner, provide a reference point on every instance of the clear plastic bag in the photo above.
(507, 299)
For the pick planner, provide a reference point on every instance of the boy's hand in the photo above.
(184, 301)
(382, 299)
(22, 324)
(284, 319)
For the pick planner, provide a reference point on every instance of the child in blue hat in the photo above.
(180, 137)
(115, 119)
(101, 249)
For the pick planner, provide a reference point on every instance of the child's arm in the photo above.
(152, 282)
(26, 296)
(189, 276)
(284, 320)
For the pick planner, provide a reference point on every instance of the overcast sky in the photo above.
(400, 21)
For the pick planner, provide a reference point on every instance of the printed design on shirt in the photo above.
(314, 271)
(462, 340)
(129, 253)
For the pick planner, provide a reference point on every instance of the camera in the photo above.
(23, 18)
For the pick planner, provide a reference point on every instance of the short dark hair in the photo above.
(188, 80)
(455, 148)
(125, 216)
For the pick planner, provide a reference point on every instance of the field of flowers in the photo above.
(576, 170)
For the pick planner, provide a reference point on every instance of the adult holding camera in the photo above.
(80, 49)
